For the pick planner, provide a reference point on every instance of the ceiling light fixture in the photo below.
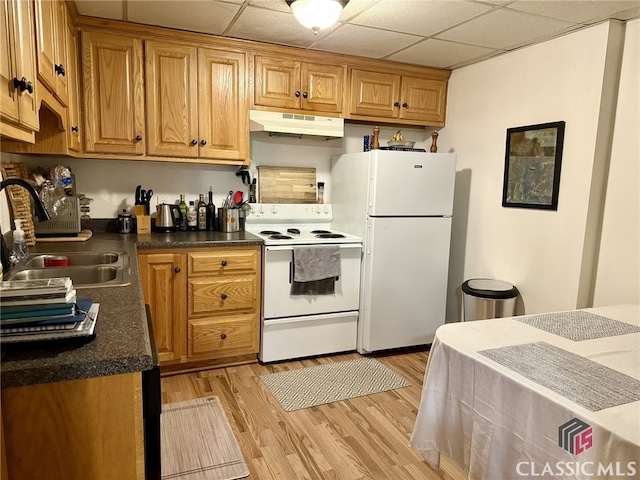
(317, 14)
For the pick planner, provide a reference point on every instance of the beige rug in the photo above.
(311, 386)
(198, 443)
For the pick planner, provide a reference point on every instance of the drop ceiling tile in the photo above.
(419, 17)
(271, 5)
(573, 10)
(272, 27)
(364, 41)
(111, 9)
(505, 28)
(440, 53)
(194, 15)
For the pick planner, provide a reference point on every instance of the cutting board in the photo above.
(83, 236)
(286, 184)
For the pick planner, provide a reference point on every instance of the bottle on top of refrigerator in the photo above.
(192, 216)
(202, 213)
(211, 212)
(183, 209)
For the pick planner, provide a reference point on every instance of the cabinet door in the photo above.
(113, 95)
(423, 99)
(73, 111)
(46, 41)
(62, 54)
(223, 118)
(163, 279)
(322, 87)
(277, 82)
(17, 60)
(172, 102)
(374, 94)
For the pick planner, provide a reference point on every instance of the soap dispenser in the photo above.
(20, 249)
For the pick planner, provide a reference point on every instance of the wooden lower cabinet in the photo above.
(205, 304)
(74, 430)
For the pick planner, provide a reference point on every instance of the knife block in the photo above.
(143, 221)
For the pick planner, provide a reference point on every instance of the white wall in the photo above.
(618, 272)
(112, 183)
(541, 252)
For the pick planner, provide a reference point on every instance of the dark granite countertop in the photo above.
(122, 342)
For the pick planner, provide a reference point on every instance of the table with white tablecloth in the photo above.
(541, 396)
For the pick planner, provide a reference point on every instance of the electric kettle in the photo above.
(168, 217)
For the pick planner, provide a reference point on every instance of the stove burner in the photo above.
(280, 237)
(320, 231)
(295, 231)
(269, 232)
(330, 235)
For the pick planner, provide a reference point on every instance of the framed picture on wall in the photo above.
(532, 166)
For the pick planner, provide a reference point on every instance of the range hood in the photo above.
(293, 124)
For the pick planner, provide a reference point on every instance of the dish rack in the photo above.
(65, 217)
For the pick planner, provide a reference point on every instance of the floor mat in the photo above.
(311, 386)
(198, 443)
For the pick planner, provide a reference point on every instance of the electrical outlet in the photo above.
(162, 199)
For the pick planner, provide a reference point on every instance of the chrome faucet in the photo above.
(41, 214)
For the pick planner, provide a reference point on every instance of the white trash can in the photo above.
(485, 298)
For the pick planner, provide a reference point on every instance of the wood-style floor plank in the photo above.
(361, 438)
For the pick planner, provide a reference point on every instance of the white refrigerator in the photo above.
(400, 204)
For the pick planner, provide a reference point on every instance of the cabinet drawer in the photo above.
(222, 296)
(214, 337)
(223, 262)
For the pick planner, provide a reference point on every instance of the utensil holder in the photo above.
(229, 219)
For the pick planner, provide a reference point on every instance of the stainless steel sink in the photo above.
(74, 259)
(91, 269)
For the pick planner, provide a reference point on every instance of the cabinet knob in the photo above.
(224, 263)
(138, 137)
(194, 142)
(297, 93)
(60, 69)
(305, 94)
(405, 105)
(74, 129)
(23, 85)
(177, 269)
(223, 296)
(223, 336)
(397, 104)
(203, 142)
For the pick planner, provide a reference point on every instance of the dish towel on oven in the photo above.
(315, 269)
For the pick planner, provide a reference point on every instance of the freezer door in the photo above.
(406, 264)
(411, 183)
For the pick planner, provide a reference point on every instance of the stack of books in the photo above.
(44, 309)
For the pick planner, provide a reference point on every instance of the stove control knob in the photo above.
(274, 209)
(318, 210)
(325, 209)
(261, 209)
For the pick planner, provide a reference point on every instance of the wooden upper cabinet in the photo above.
(285, 82)
(396, 96)
(172, 101)
(223, 106)
(113, 94)
(73, 111)
(374, 94)
(51, 42)
(196, 102)
(423, 99)
(18, 102)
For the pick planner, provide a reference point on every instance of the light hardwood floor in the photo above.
(362, 438)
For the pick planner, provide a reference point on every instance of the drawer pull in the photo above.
(224, 296)
(223, 336)
(177, 269)
(224, 263)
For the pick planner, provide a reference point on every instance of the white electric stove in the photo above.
(294, 326)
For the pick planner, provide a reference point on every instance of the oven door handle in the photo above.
(291, 273)
(290, 247)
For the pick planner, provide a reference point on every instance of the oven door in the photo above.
(277, 277)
